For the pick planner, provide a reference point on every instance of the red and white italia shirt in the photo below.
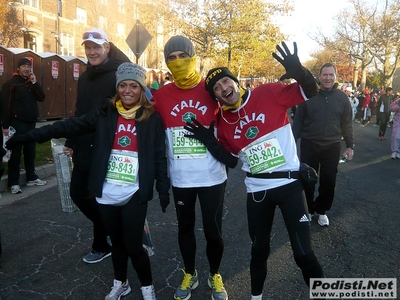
(259, 132)
(122, 179)
(189, 162)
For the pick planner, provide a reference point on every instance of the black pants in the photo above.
(125, 225)
(325, 160)
(211, 203)
(29, 151)
(89, 207)
(383, 120)
(260, 215)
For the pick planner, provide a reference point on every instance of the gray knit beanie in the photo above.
(178, 43)
(131, 71)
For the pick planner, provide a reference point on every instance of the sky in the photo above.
(308, 15)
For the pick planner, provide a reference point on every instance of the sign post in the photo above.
(138, 39)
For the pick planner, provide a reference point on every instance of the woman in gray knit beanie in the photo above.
(129, 144)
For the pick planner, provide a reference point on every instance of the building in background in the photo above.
(57, 25)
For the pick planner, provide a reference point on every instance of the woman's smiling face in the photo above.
(129, 92)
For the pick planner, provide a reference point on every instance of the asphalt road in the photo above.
(43, 246)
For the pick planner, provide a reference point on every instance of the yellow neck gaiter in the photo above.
(237, 104)
(184, 73)
(126, 114)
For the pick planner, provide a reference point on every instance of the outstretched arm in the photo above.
(294, 69)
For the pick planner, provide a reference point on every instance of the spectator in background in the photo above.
(383, 109)
(167, 80)
(20, 110)
(378, 116)
(365, 109)
(372, 105)
(353, 100)
(321, 122)
(359, 115)
(95, 86)
(395, 139)
(154, 87)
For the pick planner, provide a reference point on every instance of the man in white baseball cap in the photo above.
(96, 45)
(95, 86)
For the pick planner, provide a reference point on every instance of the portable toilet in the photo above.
(6, 65)
(53, 83)
(75, 66)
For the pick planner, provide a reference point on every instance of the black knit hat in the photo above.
(216, 74)
(24, 61)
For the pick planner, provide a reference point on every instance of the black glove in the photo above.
(291, 62)
(295, 70)
(17, 139)
(164, 201)
(206, 136)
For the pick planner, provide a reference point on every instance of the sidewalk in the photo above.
(46, 172)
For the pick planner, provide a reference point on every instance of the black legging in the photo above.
(211, 203)
(260, 215)
(125, 225)
(383, 120)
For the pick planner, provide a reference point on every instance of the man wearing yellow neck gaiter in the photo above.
(193, 171)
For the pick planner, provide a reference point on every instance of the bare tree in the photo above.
(385, 46)
(368, 34)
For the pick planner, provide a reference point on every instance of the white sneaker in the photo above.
(16, 189)
(148, 292)
(394, 155)
(118, 290)
(323, 220)
(36, 182)
(398, 155)
(259, 297)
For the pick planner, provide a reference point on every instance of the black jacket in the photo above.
(325, 118)
(95, 86)
(20, 97)
(386, 100)
(103, 122)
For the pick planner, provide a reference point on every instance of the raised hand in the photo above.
(290, 62)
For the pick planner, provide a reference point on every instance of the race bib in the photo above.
(122, 167)
(264, 156)
(186, 148)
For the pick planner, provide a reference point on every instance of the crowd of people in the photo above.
(125, 138)
(378, 107)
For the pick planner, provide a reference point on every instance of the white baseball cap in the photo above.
(97, 36)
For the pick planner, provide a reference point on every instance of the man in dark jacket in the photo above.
(321, 122)
(20, 110)
(383, 110)
(95, 85)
